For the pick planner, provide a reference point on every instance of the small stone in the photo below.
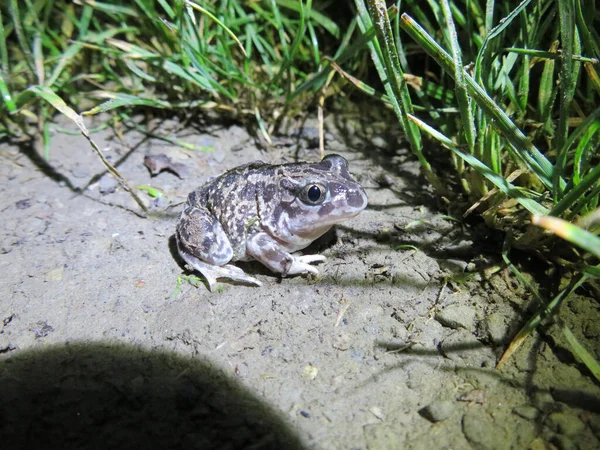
(160, 203)
(462, 346)
(473, 396)
(538, 444)
(454, 265)
(310, 372)
(54, 274)
(526, 412)
(496, 327)
(208, 142)
(341, 342)
(218, 156)
(437, 410)
(482, 431)
(107, 184)
(564, 443)
(357, 354)
(565, 423)
(41, 329)
(377, 412)
(23, 204)
(543, 400)
(79, 172)
(379, 142)
(457, 316)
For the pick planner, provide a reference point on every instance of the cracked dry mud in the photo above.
(386, 350)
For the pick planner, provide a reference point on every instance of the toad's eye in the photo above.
(313, 194)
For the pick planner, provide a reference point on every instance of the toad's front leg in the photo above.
(268, 251)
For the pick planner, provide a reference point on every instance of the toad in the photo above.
(267, 213)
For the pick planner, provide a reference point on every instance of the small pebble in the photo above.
(107, 185)
(379, 142)
(565, 423)
(341, 342)
(23, 204)
(457, 316)
(564, 443)
(79, 172)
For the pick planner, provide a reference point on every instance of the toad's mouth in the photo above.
(313, 223)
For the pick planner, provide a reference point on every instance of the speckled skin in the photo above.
(265, 212)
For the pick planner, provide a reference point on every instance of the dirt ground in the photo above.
(391, 347)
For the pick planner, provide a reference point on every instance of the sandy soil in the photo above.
(392, 347)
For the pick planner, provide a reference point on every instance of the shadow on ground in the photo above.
(97, 395)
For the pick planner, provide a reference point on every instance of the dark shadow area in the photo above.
(27, 148)
(101, 395)
(577, 399)
(453, 243)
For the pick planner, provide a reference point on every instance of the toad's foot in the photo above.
(302, 264)
(212, 273)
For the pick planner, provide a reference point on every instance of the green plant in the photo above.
(522, 121)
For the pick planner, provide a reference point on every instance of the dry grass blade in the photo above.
(536, 320)
(570, 232)
(46, 94)
(582, 353)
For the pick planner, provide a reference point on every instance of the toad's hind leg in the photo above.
(203, 244)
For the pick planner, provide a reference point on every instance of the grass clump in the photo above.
(512, 91)
(241, 58)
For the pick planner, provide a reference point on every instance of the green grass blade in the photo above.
(568, 79)
(547, 90)
(118, 99)
(577, 192)
(522, 278)
(510, 190)
(496, 31)
(322, 20)
(6, 96)
(393, 72)
(464, 101)
(48, 95)
(111, 8)
(532, 157)
(593, 271)
(64, 60)
(4, 63)
(385, 57)
(218, 22)
(21, 36)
